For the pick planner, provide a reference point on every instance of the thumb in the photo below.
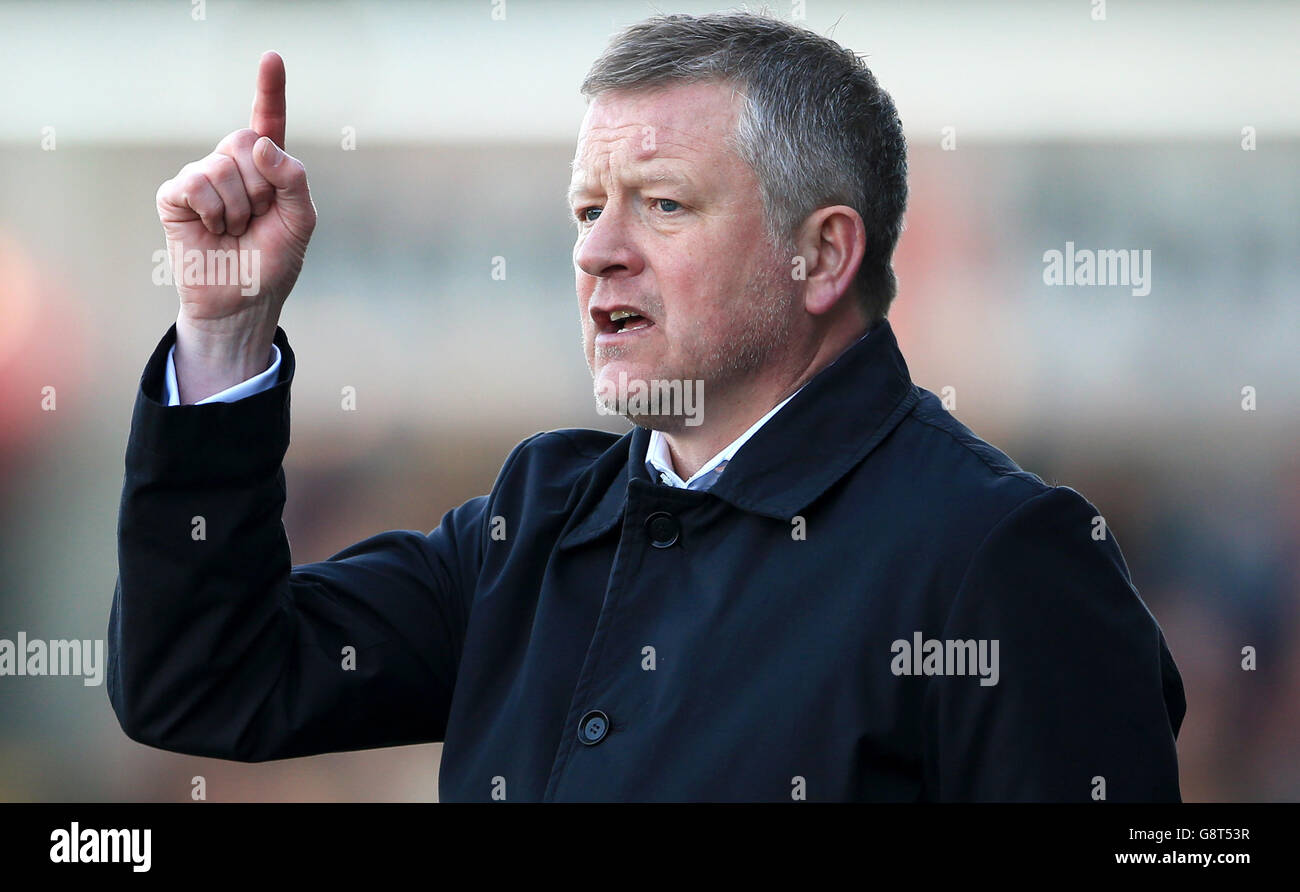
(289, 178)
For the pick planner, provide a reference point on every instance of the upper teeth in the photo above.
(620, 315)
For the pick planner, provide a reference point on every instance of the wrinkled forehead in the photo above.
(689, 123)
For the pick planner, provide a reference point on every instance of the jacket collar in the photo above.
(825, 431)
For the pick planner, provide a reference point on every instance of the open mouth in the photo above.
(626, 320)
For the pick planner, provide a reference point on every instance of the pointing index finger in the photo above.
(268, 100)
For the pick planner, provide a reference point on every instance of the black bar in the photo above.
(208, 841)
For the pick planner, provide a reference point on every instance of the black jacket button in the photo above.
(593, 727)
(662, 528)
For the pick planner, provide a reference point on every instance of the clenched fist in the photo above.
(248, 206)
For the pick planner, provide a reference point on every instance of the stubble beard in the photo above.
(723, 365)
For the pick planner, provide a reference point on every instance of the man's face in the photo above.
(670, 229)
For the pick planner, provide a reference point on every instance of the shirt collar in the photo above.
(821, 433)
(660, 464)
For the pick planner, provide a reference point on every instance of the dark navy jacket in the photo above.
(584, 632)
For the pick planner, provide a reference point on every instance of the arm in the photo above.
(1087, 687)
(218, 646)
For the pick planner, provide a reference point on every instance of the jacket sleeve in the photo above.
(219, 647)
(1088, 700)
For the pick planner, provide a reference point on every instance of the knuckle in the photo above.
(236, 139)
(187, 171)
(190, 186)
(237, 202)
(243, 139)
(221, 168)
(205, 201)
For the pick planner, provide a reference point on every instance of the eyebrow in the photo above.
(654, 177)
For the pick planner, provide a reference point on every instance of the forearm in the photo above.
(197, 633)
(219, 646)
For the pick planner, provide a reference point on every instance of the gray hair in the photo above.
(815, 126)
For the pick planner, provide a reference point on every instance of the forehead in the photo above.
(688, 123)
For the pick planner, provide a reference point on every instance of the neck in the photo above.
(727, 416)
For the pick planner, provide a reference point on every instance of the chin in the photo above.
(648, 397)
(619, 373)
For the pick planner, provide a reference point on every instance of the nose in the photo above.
(607, 250)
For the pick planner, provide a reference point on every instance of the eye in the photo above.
(585, 214)
(664, 205)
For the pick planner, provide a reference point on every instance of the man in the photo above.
(820, 587)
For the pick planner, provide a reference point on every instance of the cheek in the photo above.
(706, 290)
(688, 283)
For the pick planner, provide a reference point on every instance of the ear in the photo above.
(832, 242)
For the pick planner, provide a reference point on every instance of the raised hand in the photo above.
(247, 209)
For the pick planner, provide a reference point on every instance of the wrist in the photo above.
(213, 355)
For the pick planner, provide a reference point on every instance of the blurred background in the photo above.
(437, 137)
